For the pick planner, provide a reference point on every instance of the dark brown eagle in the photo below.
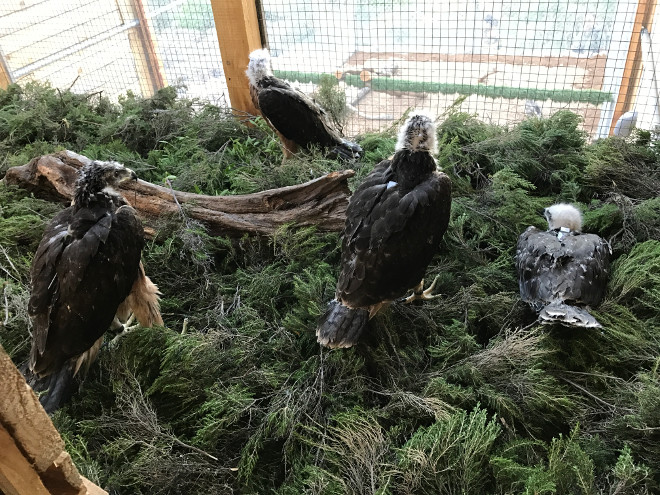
(395, 221)
(86, 274)
(296, 118)
(562, 268)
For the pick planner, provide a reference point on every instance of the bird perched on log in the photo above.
(85, 276)
(395, 221)
(562, 268)
(296, 118)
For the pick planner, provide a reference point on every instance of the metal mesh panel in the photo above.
(509, 60)
(114, 46)
(504, 61)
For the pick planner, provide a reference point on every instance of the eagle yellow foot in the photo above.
(126, 327)
(420, 294)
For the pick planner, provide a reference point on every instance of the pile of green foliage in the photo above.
(462, 394)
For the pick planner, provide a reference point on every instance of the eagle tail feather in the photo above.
(347, 151)
(54, 389)
(567, 315)
(341, 326)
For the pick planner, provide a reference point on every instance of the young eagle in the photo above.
(296, 118)
(561, 267)
(86, 272)
(395, 221)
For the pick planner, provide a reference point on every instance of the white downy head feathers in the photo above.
(563, 215)
(259, 66)
(418, 133)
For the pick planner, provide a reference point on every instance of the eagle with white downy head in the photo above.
(85, 276)
(296, 118)
(562, 268)
(395, 221)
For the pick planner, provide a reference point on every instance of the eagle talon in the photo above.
(126, 327)
(420, 294)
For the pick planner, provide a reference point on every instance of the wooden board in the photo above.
(238, 34)
(17, 477)
(633, 68)
(33, 459)
(5, 79)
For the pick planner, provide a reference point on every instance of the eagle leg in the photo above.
(126, 327)
(289, 147)
(143, 304)
(375, 308)
(420, 294)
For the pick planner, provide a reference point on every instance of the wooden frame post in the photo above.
(237, 26)
(5, 77)
(143, 45)
(632, 71)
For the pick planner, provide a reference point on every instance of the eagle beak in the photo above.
(128, 175)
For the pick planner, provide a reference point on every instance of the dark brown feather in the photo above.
(395, 222)
(572, 269)
(84, 268)
(298, 120)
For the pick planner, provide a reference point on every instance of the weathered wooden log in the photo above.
(321, 202)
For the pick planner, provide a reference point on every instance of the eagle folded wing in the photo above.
(296, 116)
(80, 251)
(93, 268)
(398, 233)
(44, 278)
(574, 268)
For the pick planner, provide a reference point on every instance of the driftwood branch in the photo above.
(321, 202)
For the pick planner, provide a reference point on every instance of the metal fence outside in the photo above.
(114, 46)
(505, 60)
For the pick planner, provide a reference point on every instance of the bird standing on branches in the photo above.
(395, 221)
(296, 118)
(561, 268)
(85, 276)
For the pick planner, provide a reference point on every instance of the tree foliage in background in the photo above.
(463, 394)
(333, 100)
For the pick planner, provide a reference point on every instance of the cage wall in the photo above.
(502, 60)
(114, 46)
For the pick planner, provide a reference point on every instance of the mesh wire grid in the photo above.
(503, 61)
(114, 46)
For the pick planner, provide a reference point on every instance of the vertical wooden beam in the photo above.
(633, 69)
(237, 26)
(143, 45)
(5, 77)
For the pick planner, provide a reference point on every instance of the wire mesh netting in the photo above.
(503, 61)
(114, 46)
(509, 60)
